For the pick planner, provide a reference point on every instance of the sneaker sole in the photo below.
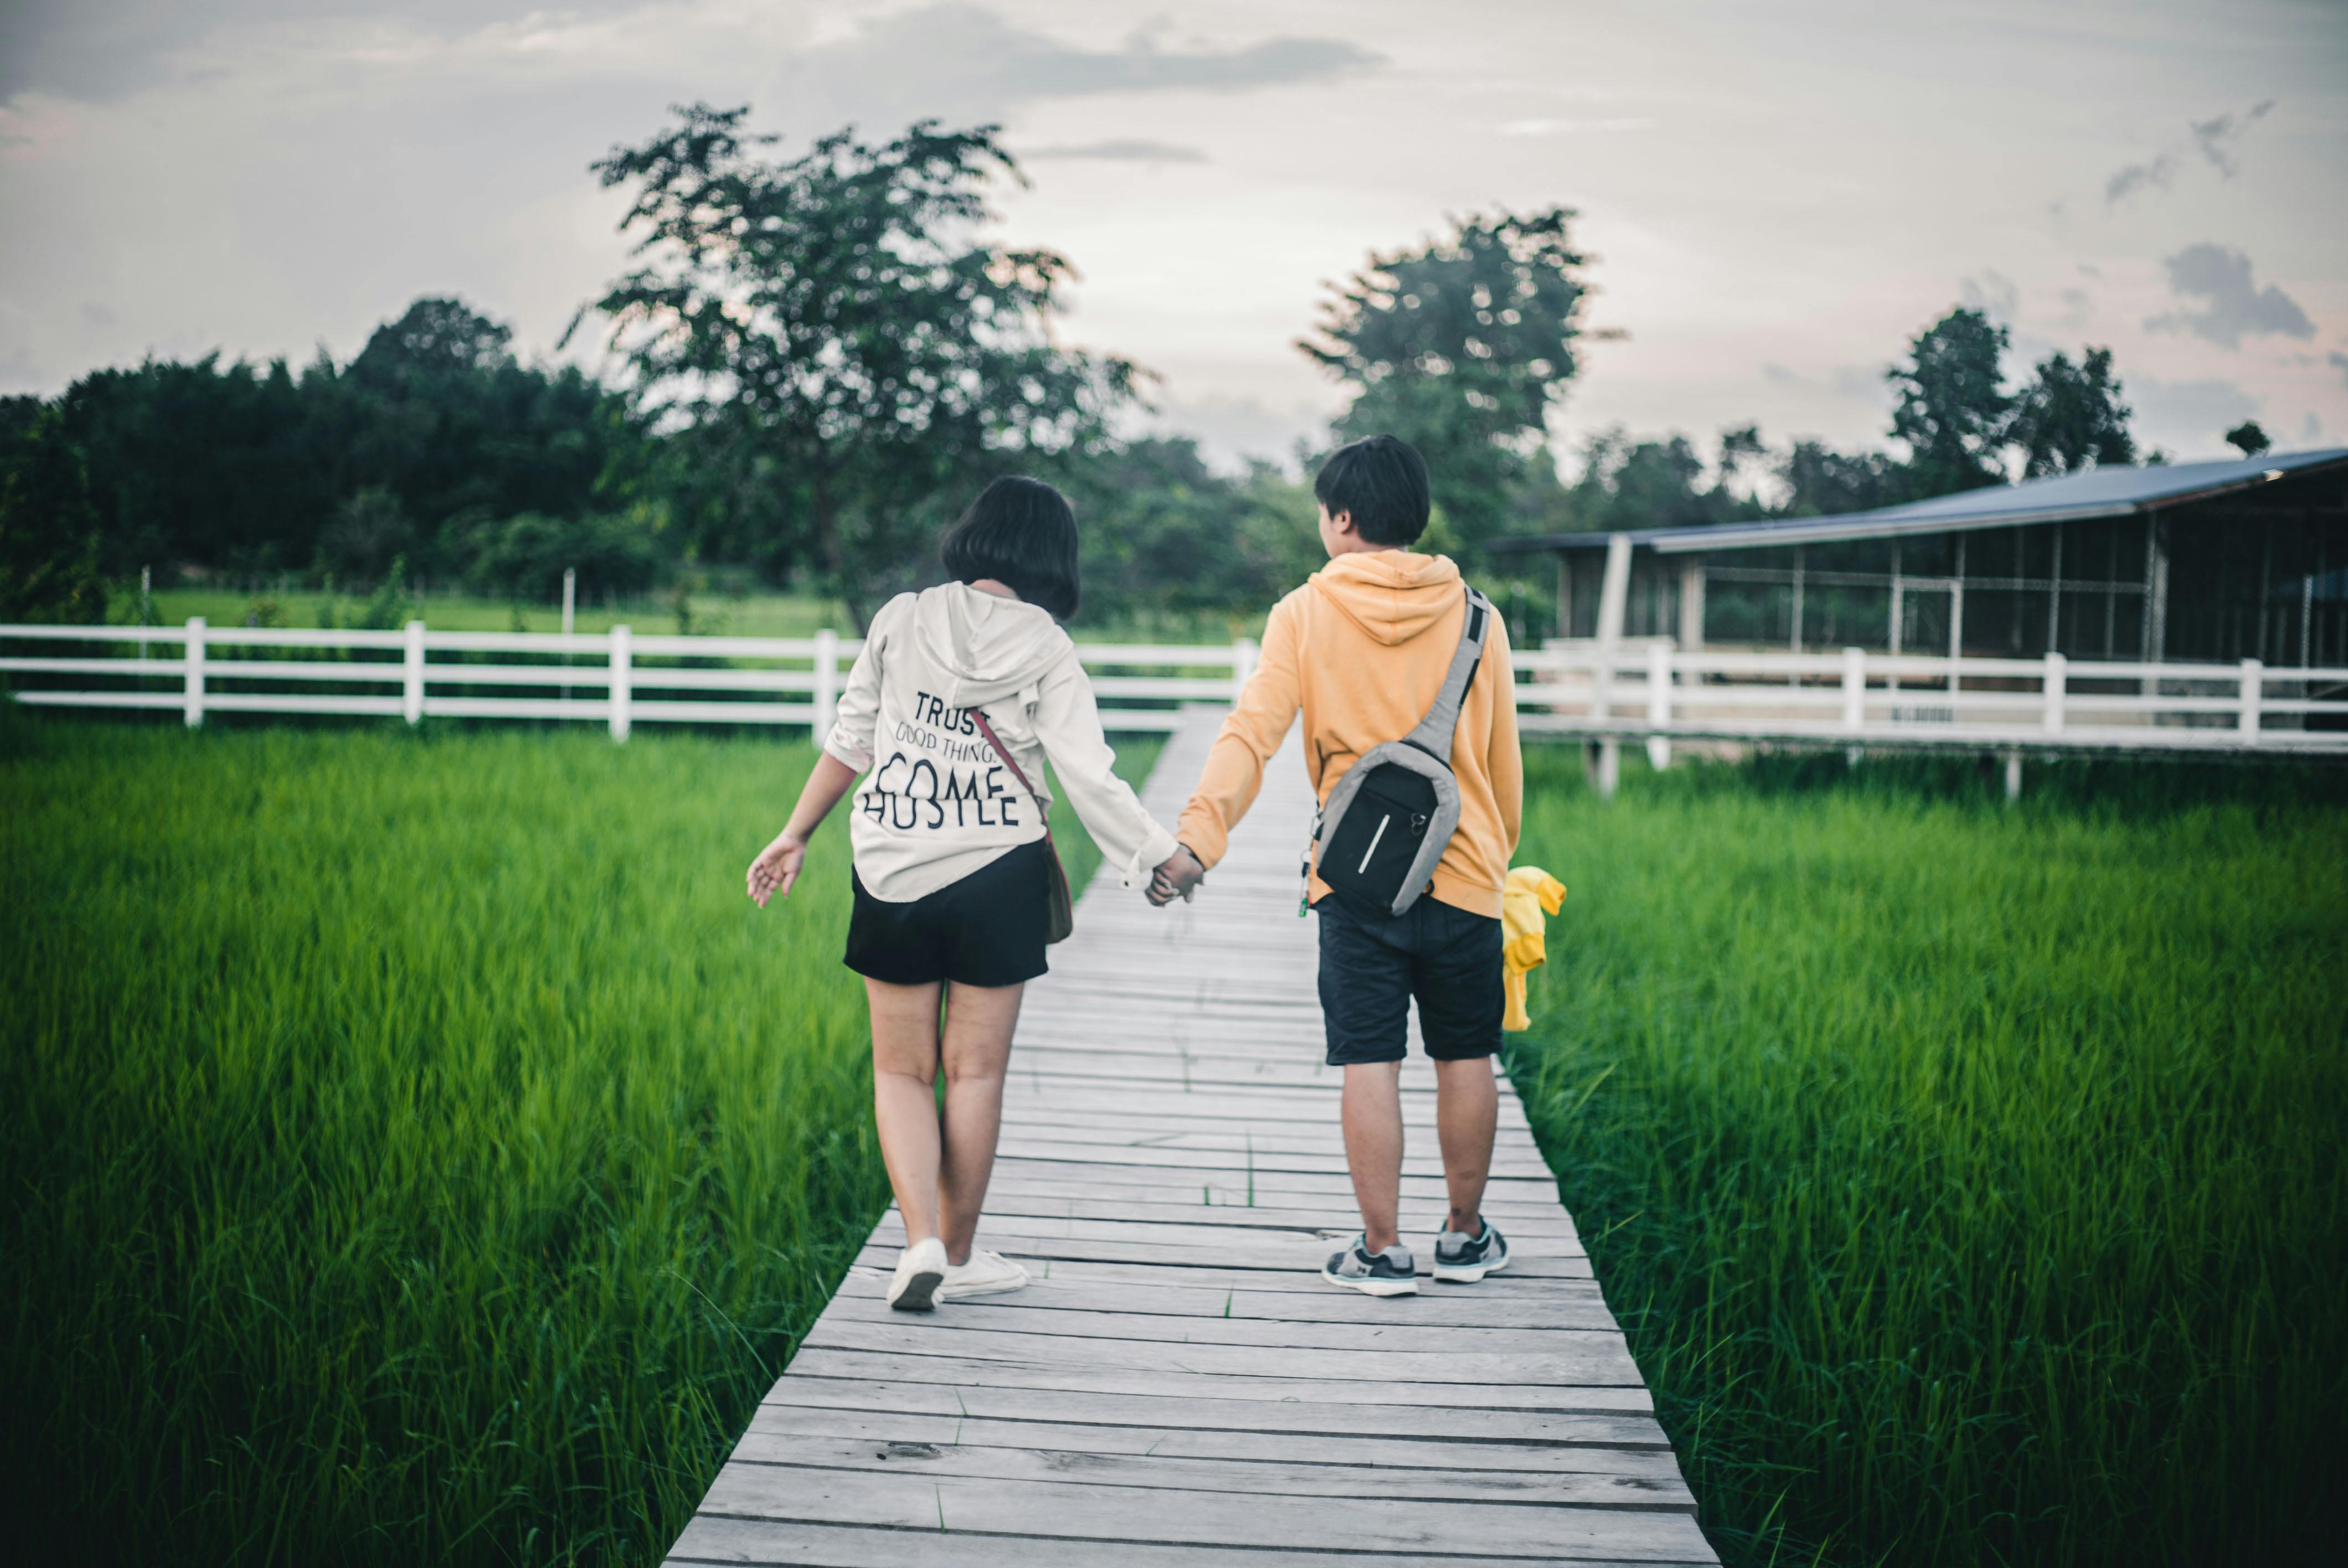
(1373, 1287)
(1456, 1275)
(921, 1291)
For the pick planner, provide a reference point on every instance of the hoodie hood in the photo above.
(1392, 595)
(990, 646)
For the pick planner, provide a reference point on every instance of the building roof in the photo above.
(2113, 492)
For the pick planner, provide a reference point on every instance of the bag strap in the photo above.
(1435, 731)
(1012, 764)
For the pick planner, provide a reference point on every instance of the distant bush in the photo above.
(524, 557)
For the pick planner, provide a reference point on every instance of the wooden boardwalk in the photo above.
(1179, 1387)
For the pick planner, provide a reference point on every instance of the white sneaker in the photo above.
(987, 1274)
(919, 1271)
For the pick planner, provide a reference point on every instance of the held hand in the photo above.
(1178, 876)
(777, 867)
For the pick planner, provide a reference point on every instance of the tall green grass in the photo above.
(1967, 1179)
(416, 1148)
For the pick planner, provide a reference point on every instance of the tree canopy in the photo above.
(1461, 346)
(839, 312)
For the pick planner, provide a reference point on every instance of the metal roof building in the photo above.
(2193, 561)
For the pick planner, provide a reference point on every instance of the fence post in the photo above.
(1854, 697)
(1243, 653)
(2055, 683)
(2253, 675)
(2012, 777)
(618, 693)
(412, 696)
(194, 650)
(1658, 704)
(826, 696)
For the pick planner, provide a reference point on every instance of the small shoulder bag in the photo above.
(1386, 823)
(1060, 910)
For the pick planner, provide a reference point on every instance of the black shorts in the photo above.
(987, 930)
(1371, 968)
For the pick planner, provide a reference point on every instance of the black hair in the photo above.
(1381, 481)
(1022, 533)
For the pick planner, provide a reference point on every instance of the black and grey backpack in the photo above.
(1385, 825)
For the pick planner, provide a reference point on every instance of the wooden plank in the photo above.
(713, 1539)
(1208, 1443)
(1176, 1388)
(1070, 1456)
(1206, 1409)
(1236, 1520)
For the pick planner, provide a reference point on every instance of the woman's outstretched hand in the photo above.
(777, 867)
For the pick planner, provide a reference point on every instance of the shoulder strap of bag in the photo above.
(1435, 731)
(1012, 764)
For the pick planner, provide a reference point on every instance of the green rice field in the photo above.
(1968, 1180)
(419, 1151)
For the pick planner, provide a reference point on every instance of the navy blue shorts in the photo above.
(986, 929)
(1372, 968)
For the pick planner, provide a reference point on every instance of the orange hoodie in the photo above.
(1362, 648)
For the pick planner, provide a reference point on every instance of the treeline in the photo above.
(820, 363)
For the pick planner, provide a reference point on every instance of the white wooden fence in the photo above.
(1630, 691)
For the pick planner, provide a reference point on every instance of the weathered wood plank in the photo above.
(1176, 1388)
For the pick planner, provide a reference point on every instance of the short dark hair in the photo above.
(1381, 481)
(1022, 533)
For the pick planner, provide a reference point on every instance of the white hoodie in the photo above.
(941, 805)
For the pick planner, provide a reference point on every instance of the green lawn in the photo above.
(418, 1149)
(1968, 1180)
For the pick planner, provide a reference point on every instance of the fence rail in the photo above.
(1629, 690)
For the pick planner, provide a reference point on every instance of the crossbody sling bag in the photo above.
(1386, 823)
(1060, 910)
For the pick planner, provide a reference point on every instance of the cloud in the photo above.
(1118, 151)
(2078, 306)
(1540, 127)
(2338, 361)
(2216, 137)
(2233, 305)
(2125, 182)
(1993, 294)
(97, 51)
(1774, 371)
(2188, 411)
(95, 315)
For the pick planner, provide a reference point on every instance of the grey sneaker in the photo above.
(1464, 1259)
(1389, 1273)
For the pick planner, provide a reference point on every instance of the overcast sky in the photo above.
(1775, 197)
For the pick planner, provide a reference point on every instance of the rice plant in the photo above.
(418, 1149)
(1967, 1179)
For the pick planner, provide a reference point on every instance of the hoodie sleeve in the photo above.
(1067, 722)
(859, 710)
(1234, 771)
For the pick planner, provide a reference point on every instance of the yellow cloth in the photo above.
(1528, 893)
(1362, 649)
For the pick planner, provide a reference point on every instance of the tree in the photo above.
(1822, 482)
(2070, 417)
(1952, 412)
(48, 530)
(2247, 437)
(837, 311)
(1459, 347)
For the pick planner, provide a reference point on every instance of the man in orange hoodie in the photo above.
(1362, 649)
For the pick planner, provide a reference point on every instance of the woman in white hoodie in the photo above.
(953, 873)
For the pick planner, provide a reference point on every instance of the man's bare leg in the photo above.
(1372, 1119)
(1467, 1116)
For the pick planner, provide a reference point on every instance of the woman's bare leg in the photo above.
(978, 1023)
(904, 1096)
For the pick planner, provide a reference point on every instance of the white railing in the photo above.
(1654, 692)
(618, 679)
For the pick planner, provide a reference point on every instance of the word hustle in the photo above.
(910, 791)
